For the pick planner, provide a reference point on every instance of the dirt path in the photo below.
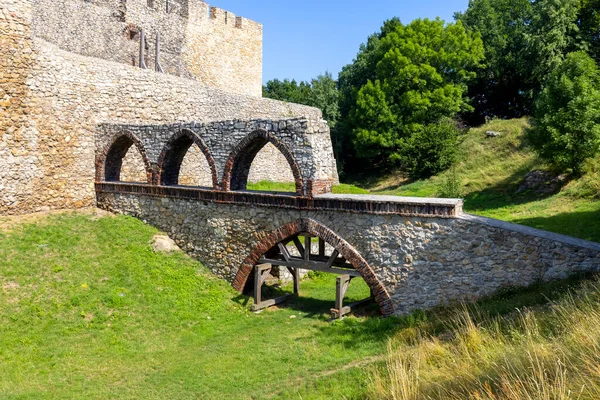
(10, 222)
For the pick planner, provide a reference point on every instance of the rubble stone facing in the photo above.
(420, 262)
(229, 148)
(51, 102)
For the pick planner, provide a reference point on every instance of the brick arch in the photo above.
(172, 155)
(110, 160)
(315, 228)
(237, 166)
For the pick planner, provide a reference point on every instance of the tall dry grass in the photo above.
(550, 353)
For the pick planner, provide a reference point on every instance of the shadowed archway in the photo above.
(172, 155)
(340, 246)
(237, 166)
(109, 161)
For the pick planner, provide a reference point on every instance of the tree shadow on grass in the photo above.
(580, 224)
(506, 193)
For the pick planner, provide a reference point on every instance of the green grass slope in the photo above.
(490, 173)
(88, 310)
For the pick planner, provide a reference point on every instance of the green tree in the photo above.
(553, 33)
(353, 77)
(589, 26)
(422, 70)
(432, 149)
(566, 129)
(501, 88)
(324, 95)
(289, 91)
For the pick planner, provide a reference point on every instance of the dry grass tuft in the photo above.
(551, 353)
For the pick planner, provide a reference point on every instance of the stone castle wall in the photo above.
(51, 102)
(196, 41)
(421, 262)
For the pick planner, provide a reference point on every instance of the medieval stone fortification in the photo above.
(69, 66)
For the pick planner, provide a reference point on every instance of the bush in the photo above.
(566, 126)
(452, 185)
(431, 150)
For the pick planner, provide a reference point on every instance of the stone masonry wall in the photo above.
(304, 140)
(421, 262)
(51, 102)
(225, 51)
(196, 41)
(19, 136)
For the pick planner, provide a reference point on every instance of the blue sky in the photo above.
(304, 38)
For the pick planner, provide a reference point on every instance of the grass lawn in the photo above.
(88, 310)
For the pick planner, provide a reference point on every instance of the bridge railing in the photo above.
(371, 204)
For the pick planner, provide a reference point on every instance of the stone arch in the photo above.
(110, 160)
(315, 228)
(237, 166)
(172, 155)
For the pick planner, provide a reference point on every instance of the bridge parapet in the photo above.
(230, 147)
(364, 204)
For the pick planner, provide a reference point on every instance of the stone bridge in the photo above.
(412, 252)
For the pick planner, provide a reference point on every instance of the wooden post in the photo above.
(142, 63)
(341, 286)
(307, 247)
(157, 65)
(296, 277)
(321, 248)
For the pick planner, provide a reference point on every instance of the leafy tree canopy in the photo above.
(421, 71)
(321, 92)
(566, 128)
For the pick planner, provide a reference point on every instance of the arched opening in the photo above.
(260, 146)
(330, 254)
(186, 160)
(125, 160)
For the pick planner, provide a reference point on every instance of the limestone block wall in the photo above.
(196, 41)
(269, 165)
(225, 51)
(19, 135)
(51, 102)
(421, 262)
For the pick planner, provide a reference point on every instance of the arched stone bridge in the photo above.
(413, 253)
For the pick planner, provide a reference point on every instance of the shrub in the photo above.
(431, 150)
(566, 127)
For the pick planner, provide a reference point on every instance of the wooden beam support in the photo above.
(294, 262)
(321, 248)
(268, 303)
(296, 277)
(332, 258)
(298, 246)
(307, 247)
(284, 251)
